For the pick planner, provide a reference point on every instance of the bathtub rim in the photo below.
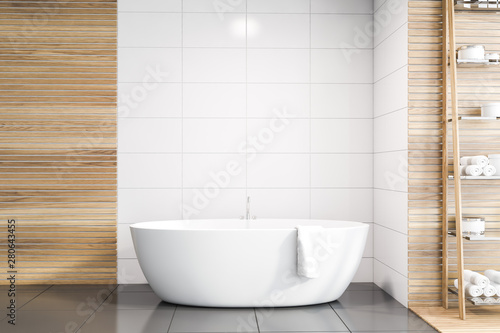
(142, 225)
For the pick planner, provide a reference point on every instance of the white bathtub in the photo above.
(240, 263)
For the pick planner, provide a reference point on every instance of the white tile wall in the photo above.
(146, 29)
(342, 6)
(342, 101)
(279, 31)
(208, 30)
(391, 147)
(342, 66)
(325, 27)
(262, 84)
(390, 95)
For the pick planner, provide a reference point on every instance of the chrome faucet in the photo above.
(247, 215)
(248, 209)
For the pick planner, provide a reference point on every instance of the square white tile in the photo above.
(279, 171)
(149, 65)
(341, 31)
(214, 203)
(391, 209)
(143, 135)
(278, 135)
(141, 205)
(215, 100)
(149, 170)
(394, 283)
(342, 101)
(391, 92)
(149, 6)
(377, 4)
(130, 272)
(149, 30)
(394, 256)
(342, 6)
(341, 136)
(342, 66)
(214, 135)
(278, 31)
(391, 54)
(270, 100)
(278, 66)
(208, 30)
(278, 6)
(342, 204)
(391, 131)
(388, 18)
(342, 170)
(159, 100)
(391, 170)
(214, 65)
(280, 203)
(224, 170)
(219, 7)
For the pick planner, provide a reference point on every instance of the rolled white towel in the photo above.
(496, 286)
(477, 299)
(493, 275)
(489, 300)
(480, 160)
(473, 170)
(489, 291)
(489, 170)
(471, 290)
(476, 278)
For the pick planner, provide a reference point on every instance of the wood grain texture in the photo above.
(58, 70)
(428, 171)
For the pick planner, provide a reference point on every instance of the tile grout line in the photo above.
(256, 319)
(172, 320)
(95, 310)
(342, 320)
(310, 109)
(182, 110)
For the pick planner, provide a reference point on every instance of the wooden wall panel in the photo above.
(475, 87)
(58, 72)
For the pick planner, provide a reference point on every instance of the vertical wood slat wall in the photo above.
(475, 87)
(58, 73)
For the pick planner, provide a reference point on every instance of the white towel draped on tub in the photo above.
(314, 245)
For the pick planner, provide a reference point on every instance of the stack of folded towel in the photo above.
(476, 166)
(478, 285)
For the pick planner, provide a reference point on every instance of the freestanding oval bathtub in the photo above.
(244, 263)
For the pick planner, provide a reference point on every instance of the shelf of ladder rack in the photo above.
(477, 5)
(476, 177)
(490, 235)
(475, 118)
(478, 300)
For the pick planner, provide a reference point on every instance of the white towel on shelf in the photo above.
(489, 291)
(480, 160)
(471, 290)
(493, 275)
(472, 170)
(496, 286)
(489, 170)
(490, 300)
(476, 278)
(314, 245)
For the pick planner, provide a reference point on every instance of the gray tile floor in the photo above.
(136, 309)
